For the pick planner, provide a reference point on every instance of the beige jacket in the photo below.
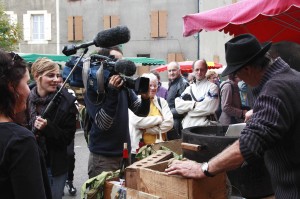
(152, 124)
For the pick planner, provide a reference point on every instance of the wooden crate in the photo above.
(155, 181)
(173, 145)
(110, 190)
(131, 172)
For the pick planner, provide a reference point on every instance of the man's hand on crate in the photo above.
(187, 168)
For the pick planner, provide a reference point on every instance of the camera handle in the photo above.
(56, 99)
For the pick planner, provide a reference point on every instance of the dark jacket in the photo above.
(175, 89)
(273, 130)
(58, 134)
(110, 127)
(22, 172)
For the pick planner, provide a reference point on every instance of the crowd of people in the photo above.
(30, 130)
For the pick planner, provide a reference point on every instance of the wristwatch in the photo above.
(204, 168)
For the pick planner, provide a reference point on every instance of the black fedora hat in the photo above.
(241, 50)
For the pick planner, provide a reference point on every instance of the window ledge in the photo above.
(37, 42)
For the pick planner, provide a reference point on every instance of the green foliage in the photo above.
(10, 33)
(148, 150)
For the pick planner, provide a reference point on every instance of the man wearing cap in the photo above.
(273, 131)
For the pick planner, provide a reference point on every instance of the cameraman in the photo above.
(110, 126)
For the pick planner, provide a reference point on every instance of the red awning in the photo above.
(186, 66)
(268, 20)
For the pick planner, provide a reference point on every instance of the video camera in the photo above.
(93, 73)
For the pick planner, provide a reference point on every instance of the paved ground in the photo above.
(82, 155)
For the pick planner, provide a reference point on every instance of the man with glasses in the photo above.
(272, 132)
(177, 85)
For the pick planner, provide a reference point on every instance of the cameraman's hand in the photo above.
(116, 82)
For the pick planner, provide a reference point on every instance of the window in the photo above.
(110, 21)
(159, 24)
(178, 57)
(75, 28)
(37, 27)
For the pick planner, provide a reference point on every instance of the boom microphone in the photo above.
(105, 39)
(112, 37)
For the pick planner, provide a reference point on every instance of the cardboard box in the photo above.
(155, 181)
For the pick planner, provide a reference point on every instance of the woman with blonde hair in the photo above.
(212, 76)
(55, 130)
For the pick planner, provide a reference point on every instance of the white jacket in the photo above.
(207, 103)
(152, 124)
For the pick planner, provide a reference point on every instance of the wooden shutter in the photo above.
(162, 24)
(115, 21)
(106, 22)
(78, 29)
(75, 28)
(142, 69)
(171, 57)
(179, 57)
(26, 26)
(154, 24)
(47, 26)
(70, 28)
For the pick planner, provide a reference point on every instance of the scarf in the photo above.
(37, 105)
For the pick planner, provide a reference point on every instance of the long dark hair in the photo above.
(12, 70)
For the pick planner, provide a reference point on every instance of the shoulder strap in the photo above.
(158, 100)
(192, 94)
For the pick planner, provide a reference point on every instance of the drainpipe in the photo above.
(57, 29)
(198, 36)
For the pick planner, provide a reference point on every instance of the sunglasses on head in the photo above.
(15, 56)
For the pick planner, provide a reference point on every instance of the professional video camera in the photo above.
(93, 73)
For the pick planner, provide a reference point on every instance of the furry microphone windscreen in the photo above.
(112, 37)
(125, 67)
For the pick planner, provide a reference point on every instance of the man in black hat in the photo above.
(273, 131)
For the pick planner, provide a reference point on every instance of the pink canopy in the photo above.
(268, 20)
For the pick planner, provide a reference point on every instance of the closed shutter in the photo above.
(111, 21)
(162, 24)
(70, 28)
(78, 28)
(178, 57)
(115, 21)
(47, 26)
(26, 26)
(171, 57)
(154, 24)
(106, 22)
(75, 28)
